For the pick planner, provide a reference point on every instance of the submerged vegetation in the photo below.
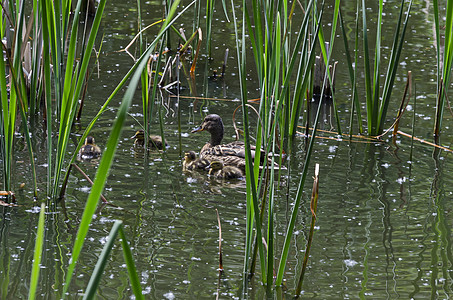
(49, 56)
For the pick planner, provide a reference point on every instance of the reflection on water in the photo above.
(384, 223)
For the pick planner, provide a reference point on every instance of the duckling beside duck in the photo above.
(218, 170)
(191, 162)
(89, 150)
(154, 141)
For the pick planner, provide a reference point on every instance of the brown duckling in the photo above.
(218, 170)
(154, 141)
(89, 150)
(191, 162)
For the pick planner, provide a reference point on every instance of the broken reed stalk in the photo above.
(225, 59)
(88, 179)
(220, 242)
(194, 63)
(403, 101)
(313, 208)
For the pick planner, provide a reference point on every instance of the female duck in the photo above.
(89, 150)
(191, 162)
(232, 154)
(154, 141)
(218, 170)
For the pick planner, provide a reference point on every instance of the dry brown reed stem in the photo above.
(136, 37)
(194, 63)
(89, 180)
(213, 99)
(8, 193)
(225, 59)
(371, 139)
(403, 106)
(220, 242)
(425, 142)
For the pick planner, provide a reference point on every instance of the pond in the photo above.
(383, 227)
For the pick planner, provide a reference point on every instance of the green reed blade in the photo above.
(133, 276)
(393, 66)
(6, 136)
(252, 198)
(73, 85)
(95, 278)
(292, 222)
(366, 56)
(107, 156)
(355, 104)
(209, 16)
(37, 254)
(326, 56)
(47, 92)
(444, 72)
(376, 72)
(225, 11)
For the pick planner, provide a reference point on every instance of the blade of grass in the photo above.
(107, 157)
(95, 278)
(37, 255)
(252, 198)
(133, 276)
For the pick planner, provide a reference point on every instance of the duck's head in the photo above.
(213, 124)
(89, 140)
(215, 166)
(190, 156)
(139, 135)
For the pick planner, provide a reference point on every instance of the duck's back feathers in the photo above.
(154, 141)
(219, 170)
(191, 162)
(90, 150)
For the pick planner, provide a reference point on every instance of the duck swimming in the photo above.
(154, 141)
(89, 150)
(191, 162)
(232, 154)
(218, 170)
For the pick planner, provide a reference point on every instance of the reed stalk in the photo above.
(276, 57)
(108, 155)
(444, 61)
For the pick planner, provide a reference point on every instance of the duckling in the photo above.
(191, 162)
(154, 141)
(218, 170)
(232, 154)
(89, 150)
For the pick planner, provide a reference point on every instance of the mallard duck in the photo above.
(232, 154)
(191, 162)
(154, 141)
(89, 150)
(218, 170)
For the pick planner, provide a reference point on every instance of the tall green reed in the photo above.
(444, 61)
(377, 97)
(108, 155)
(279, 59)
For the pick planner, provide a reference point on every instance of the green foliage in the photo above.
(276, 57)
(37, 255)
(444, 63)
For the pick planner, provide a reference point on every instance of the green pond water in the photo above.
(384, 222)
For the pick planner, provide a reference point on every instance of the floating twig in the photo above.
(220, 242)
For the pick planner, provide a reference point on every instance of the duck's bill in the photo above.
(197, 129)
(134, 136)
